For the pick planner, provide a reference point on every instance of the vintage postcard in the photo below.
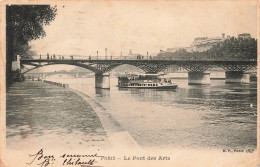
(129, 83)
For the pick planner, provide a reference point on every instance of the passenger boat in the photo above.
(146, 81)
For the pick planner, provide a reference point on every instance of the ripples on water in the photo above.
(218, 115)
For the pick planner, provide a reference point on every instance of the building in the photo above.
(200, 44)
(244, 36)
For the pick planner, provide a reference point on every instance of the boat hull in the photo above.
(151, 87)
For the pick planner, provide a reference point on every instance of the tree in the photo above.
(23, 24)
(180, 54)
(235, 49)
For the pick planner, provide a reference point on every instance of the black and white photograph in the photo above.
(129, 83)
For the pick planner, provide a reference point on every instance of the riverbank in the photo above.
(112, 127)
(170, 127)
(118, 137)
(40, 114)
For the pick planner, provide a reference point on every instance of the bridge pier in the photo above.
(102, 81)
(237, 77)
(198, 78)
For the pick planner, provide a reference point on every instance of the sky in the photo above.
(83, 28)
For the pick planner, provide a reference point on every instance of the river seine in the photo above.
(218, 115)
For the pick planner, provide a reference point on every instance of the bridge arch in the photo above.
(144, 66)
(105, 68)
(149, 66)
(88, 67)
(114, 67)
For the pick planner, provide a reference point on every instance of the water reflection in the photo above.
(102, 92)
(218, 115)
(148, 95)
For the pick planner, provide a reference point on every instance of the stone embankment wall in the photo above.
(57, 84)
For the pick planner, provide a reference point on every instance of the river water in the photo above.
(218, 115)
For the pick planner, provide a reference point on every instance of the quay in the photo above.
(39, 112)
(71, 113)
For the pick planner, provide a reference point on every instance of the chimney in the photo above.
(223, 35)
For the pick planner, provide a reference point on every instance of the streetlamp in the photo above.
(147, 55)
(97, 54)
(106, 52)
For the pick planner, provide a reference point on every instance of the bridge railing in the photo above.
(79, 57)
(138, 57)
(72, 57)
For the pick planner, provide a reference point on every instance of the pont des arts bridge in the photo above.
(198, 70)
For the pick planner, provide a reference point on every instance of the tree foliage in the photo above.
(23, 24)
(179, 54)
(26, 52)
(230, 49)
(26, 23)
(235, 49)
